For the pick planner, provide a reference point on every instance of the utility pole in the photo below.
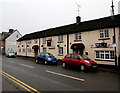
(114, 37)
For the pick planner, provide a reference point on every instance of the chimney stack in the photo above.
(11, 30)
(78, 19)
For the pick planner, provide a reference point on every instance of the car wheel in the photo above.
(46, 62)
(37, 61)
(64, 65)
(82, 67)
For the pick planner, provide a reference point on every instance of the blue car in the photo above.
(46, 58)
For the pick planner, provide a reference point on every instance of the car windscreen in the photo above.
(84, 57)
(11, 54)
(49, 55)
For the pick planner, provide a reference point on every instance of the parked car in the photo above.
(46, 58)
(10, 54)
(78, 60)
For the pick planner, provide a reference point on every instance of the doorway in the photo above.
(78, 48)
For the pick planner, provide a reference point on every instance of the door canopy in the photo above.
(79, 46)
(35, 47)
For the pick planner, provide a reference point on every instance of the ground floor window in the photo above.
(19, 50)
(24, 50)
(29, 50)
(105, 55)
(44, 49)
(60, 50)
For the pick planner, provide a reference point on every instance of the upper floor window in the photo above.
(19, 43)
(17, 36)
(35, 41)
(44, 40)
(49, 43)
(104, 34)
(60, 38)
(77, 36)
(29, 42)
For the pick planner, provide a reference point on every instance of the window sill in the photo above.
(77, 40)
(104, 39)
(60, 41)
(60, 54)
(110, 60)
(50, 47)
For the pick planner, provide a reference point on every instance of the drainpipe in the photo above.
(114, 37)
(67, 43)
(39, 45)
(26, 48)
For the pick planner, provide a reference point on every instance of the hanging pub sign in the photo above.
(102, 45)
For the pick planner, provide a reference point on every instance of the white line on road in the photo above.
(12, 61)
(26, 65)
(75, 78)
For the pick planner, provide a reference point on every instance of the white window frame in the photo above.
(60, 51)
(23, 50)
(43, 40)
(19, 50)
(78, 36)
(105, 55)
(104, 34)
(29, 42)
(60, 38)
(44, 49)
(29, 50)
(35, 41)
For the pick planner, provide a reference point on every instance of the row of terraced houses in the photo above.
(96, 39)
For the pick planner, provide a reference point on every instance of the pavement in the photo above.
(108, 68)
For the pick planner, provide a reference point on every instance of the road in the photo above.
(55, 78)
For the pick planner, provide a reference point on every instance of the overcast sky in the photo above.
(35, 15)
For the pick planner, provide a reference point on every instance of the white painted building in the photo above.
(10, 42)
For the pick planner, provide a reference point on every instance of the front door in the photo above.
(78, 51)
(35, 53)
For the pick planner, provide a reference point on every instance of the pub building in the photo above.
(94, 38)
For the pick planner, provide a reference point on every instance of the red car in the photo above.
(78, 60)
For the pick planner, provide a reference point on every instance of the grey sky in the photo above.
(35, 15)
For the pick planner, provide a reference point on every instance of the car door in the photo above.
(75, 60)
(40, 57)
(67, 59)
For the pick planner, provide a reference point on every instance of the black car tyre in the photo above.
(82, 67)
(37, 61)
(46, 62)
(64, 65)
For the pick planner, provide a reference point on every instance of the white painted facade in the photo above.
(11, 43)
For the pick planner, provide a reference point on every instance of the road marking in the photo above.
(75, 78)
(26, 65)
(12, 61)
(20, 83)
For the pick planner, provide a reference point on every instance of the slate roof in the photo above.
(101, 23)
(6, 35)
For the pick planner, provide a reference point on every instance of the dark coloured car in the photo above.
(46, 58)
(78, 60)
(10, 54)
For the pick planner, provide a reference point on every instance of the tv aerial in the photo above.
(78, 9)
